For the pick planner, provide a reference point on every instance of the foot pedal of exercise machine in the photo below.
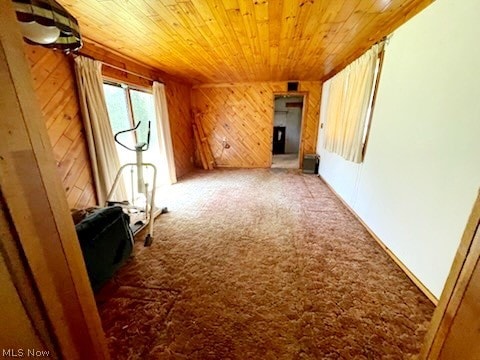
(148, 240)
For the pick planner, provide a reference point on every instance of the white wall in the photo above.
(421, 173)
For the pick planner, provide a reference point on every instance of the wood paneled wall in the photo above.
(179, 113)
(242, 114)
(54, 83)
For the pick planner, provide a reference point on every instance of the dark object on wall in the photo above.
(49, 24)
(279, 139)
(310, 163)
(292, 86)
(106, 242)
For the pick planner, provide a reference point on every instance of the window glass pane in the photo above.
(143, 111)
(117, 107)
(118, 113)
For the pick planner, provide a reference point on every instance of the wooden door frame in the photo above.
(455, 287)
(303, 94)
(40, 242)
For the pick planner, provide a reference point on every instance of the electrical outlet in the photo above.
(225, 144)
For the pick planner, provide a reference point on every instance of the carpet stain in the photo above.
(261, 264)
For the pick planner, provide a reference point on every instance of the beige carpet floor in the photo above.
(261, 264)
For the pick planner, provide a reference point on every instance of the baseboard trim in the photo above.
(397, 261)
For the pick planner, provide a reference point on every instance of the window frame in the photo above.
(381, 57)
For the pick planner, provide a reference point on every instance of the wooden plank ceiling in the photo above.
(217, 41)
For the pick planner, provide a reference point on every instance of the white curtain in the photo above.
(335, 111)
(98, 131)
(348, 103)
(166, 172)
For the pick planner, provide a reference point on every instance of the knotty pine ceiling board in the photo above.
(218, 41)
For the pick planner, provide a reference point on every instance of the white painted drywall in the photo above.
(421, 174)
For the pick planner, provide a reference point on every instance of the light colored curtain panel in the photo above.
(347, 110)
(98, 131)
(166, 172)
(335, 112)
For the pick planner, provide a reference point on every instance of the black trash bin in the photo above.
(310, 163)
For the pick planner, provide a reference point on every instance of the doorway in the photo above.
(287, 125)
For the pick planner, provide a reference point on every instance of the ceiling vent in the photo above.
(292, 86)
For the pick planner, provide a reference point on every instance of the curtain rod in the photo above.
(130, 72)
(119, 68)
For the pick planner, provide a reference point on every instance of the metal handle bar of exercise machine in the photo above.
(140, 146)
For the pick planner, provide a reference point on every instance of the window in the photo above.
(373, 97)
(350, 105)
(127, 107)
